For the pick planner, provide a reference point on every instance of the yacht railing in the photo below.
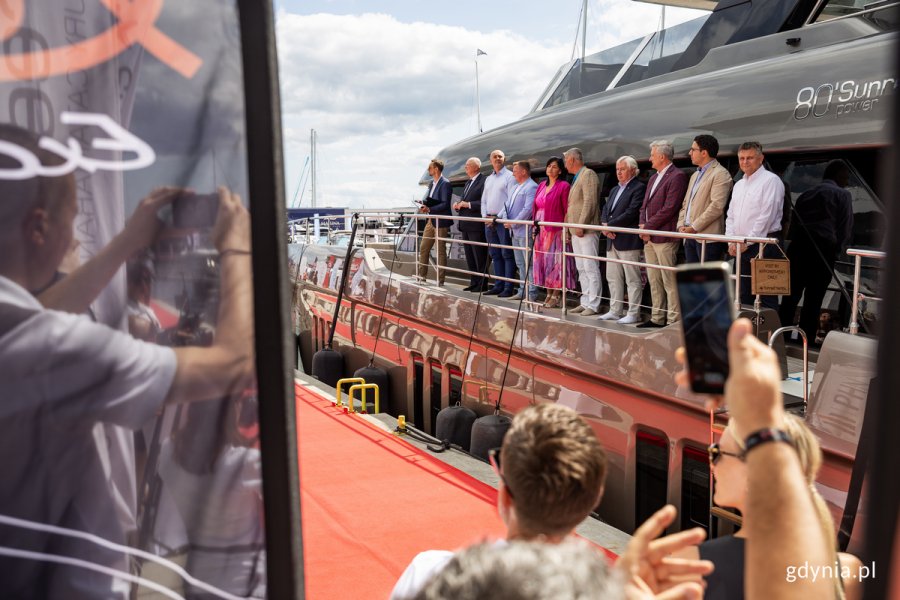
(401, 234)
(858, 254)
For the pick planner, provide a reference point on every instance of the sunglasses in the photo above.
(715, 453)
(494, 459)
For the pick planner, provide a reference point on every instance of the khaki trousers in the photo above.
(425, 245)
(662, 283)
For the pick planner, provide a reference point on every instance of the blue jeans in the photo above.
(526, 245)
(503, 258)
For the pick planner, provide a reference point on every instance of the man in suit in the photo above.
(659, 212)
(584, 210)
(520, 208)
(703, 209)
(473, 231)
(437, 202)
(623, 209)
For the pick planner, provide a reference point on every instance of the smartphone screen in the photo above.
(707, 311)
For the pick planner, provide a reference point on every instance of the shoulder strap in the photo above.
(11, 315)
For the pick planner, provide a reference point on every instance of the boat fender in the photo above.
(454, 425)
(379, 377)
(328, 366)
(487, 433)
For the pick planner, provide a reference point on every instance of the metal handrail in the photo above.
(703, 239)
(774, 336)
(858, 254)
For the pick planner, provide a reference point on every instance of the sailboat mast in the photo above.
(312, 151)
(584, 9)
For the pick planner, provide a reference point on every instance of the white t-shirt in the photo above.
(60, 375)
(420, 571)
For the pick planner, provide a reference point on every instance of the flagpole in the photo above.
(478, 53)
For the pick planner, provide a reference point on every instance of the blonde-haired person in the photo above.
(727, 552)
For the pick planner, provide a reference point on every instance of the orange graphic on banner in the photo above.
(136, 25)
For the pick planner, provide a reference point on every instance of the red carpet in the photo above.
(371, 502)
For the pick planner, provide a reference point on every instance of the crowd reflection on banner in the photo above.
(128, 423)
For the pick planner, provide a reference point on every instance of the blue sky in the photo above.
(388, 83)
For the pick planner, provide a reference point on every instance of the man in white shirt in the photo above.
(755, 211)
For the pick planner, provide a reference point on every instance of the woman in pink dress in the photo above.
(550, 204)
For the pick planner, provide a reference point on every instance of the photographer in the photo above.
(781, 518)
(61, 374)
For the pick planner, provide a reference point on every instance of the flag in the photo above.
(480, 52)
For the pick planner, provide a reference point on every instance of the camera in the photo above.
(195, 211)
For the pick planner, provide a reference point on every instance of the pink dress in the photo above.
(550, 205)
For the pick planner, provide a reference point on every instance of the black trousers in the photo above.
(476, 256)
(810, 276)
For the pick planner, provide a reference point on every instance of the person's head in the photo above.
(552, 468)
(661, 154)
(139, 275)
(626, 168)
(555, 168)
(525, 571)
(838, 172)
(473, 165)
(574, 159)
(497, 160)
(36, 213)
(750, 157)
(521, 170)
(704, 148)
(436, 167)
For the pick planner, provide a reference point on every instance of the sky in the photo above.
(387, 84)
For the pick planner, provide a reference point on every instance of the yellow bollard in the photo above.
(338, 402)
(362, 387)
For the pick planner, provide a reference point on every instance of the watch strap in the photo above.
(766, 435)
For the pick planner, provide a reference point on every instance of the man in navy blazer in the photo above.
(659, 212)
(623, 209)
(473, 231)
(436, 202)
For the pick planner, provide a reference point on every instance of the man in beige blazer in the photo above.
(703, 210)
(584, 209)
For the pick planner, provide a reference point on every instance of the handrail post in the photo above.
(854, 310)
(526, 290)
(757, 301)
(702, 251)
(782, 330)
(562, 282)
(418, 241)
(737, 270)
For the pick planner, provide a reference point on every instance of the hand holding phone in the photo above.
(707, 312)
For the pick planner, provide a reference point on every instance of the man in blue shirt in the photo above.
(520, 208)
(498, 188)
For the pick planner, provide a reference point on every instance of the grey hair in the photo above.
(498, 151)
(628, 160)
(475, 160)
(520, 570)
(664, 147)
(574, 153)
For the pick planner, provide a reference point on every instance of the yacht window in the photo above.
(594, 74)
(841, 8)
(663, 51)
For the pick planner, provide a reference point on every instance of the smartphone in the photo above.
(195, 211)
(707, 312)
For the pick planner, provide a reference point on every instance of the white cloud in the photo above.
(385, 96)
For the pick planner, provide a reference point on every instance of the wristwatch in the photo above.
(763, 436)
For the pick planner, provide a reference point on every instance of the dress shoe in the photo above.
(493, 292)
(610, 316)
(506, 294)
(628, 320)
(577, 310)
(518, 296)
(648, 324)
(470, 288)
(588, 312)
